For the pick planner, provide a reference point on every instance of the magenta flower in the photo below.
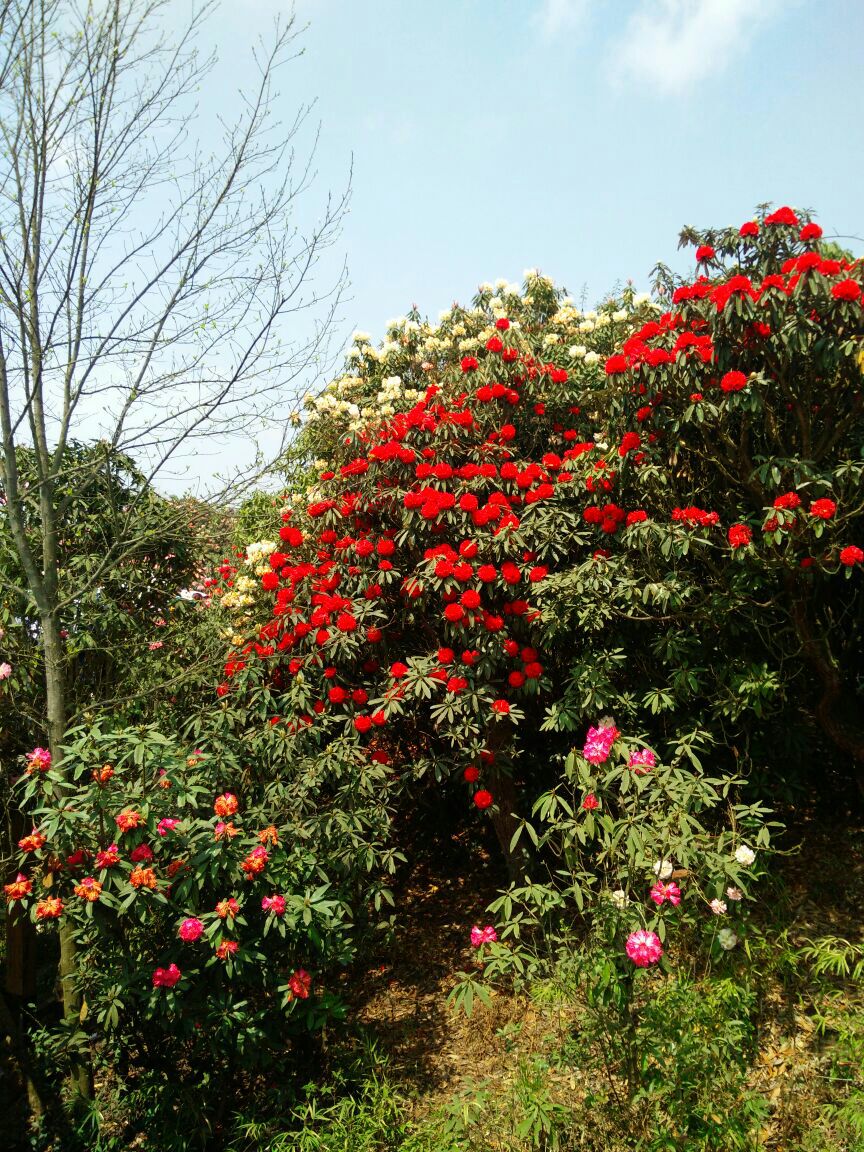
(191, 929)
(661, 892)
(486, 935)
(642, 760)
(275, 905)
(39, 758)
(167, 825)
(598, 744)
(644, 948)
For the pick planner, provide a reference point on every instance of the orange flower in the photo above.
(103, 775)
(227, 948)
(226, 804)
(128, 820)
(89, 889)
(32, 843)
(255, 862)
(143, 878)
(18, 889)
(226, 908)
(269, 835)
(49, 909)
(174, 867)
(222, 830)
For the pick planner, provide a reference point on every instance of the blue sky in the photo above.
(576, 136)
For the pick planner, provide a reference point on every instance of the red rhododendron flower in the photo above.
(275, 905)
(469, 364)
(398, 670)
(590, 802)
(502, 323)
(733, 382)
(749, 228)
(483, 799)
(810, 231)
(502, 707)
(167, 977)
(299, 984)
(363, 723)
(783, 215)
(704, 252)
(851, 555)
(472, 774)
(445, 655)
(494, 344)
(739, 535)
(789, 500)
(823, 508)
(846, 290)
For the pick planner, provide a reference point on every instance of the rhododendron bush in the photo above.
(407, 590)
(748, 390)
(213, 903)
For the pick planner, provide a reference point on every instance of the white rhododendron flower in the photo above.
(663, 869)
(744, 855)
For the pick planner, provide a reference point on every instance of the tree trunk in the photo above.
(55, 686)
(505, 822)
(838, 709)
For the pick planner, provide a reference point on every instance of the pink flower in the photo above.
(167, 825)
(191, 929)
(275, 905)
(661, 892)
(486, 935)
(734, 894)
(644, 948)
(39, 758)
(642, 760)
(5, 671)
(718, 907)
(154, 644)
(142, 853)
(598, 744)
(590, 802)
(166, 977)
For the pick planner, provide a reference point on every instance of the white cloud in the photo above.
(671, 44)
(559, 16)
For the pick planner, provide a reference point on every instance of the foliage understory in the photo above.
(766, 1054)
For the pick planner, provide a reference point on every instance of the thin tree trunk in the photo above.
(55, 685)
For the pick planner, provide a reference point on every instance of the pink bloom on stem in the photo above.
(167, 825)
(191, 929)
(734, 893)
(644, 948)
(598, 744)
(486, 935)
(661, 892)
(39, 758)
(642, 760)
(166, 977)
(718, 907)
(154, 645)
(275, 905)
(5, 671)
(590, 802)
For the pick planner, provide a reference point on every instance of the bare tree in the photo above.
(147, 291)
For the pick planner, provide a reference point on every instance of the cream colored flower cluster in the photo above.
(381, 381)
